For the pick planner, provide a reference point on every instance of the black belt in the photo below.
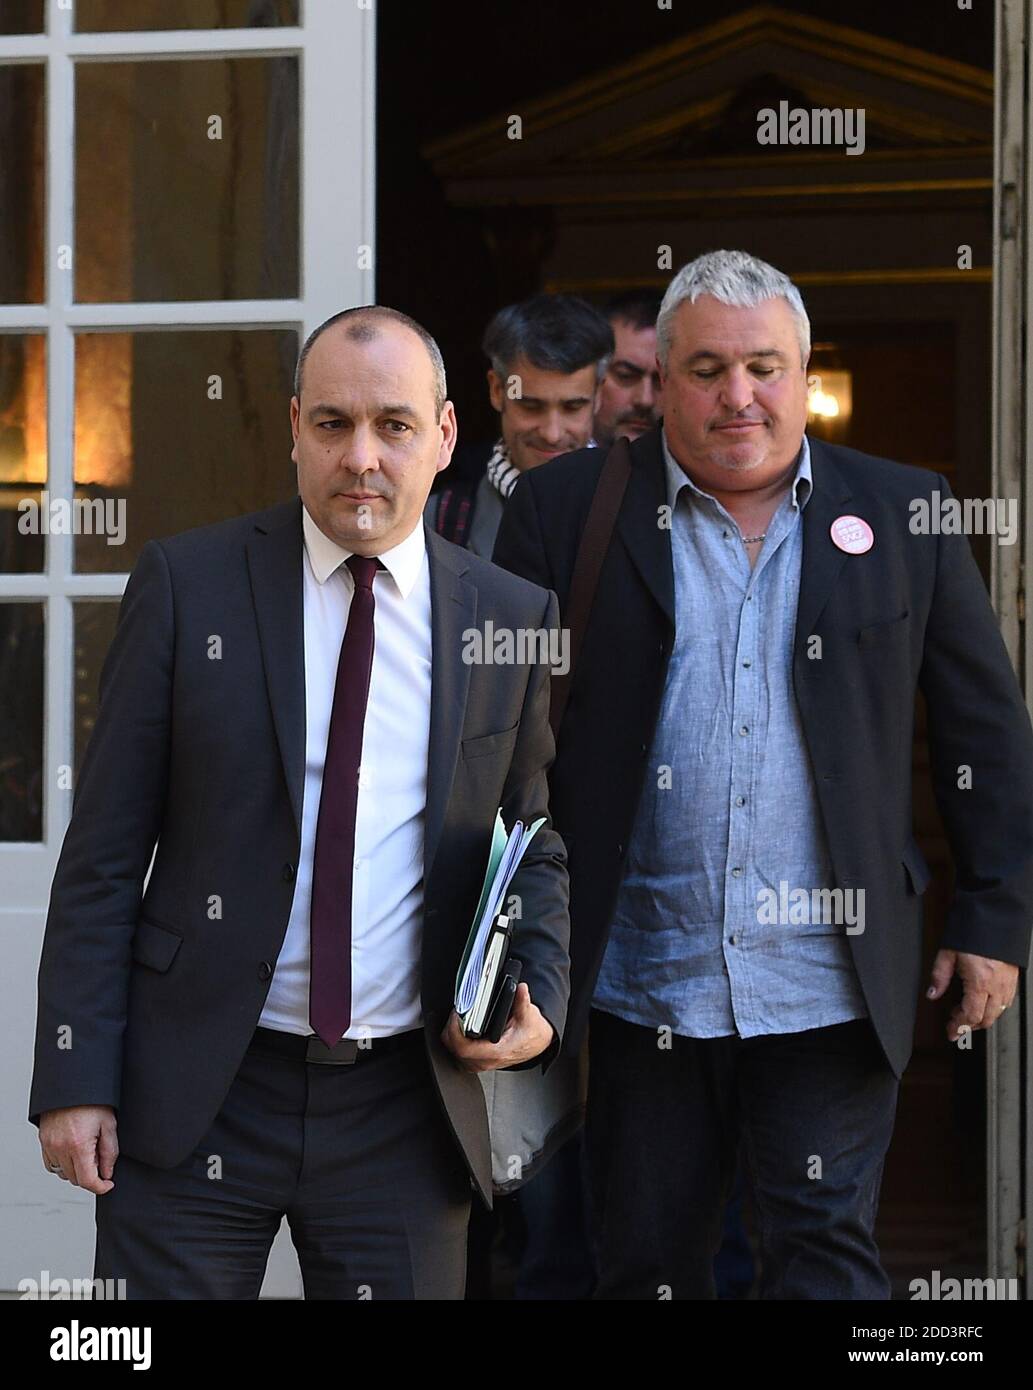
(311, 1048)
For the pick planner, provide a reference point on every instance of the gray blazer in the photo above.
(147, 1004)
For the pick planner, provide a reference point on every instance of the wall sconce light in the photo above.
(829, 398)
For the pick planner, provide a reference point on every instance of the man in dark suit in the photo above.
(739, 737)
(264, 1026)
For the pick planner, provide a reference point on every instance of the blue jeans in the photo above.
(814, 1113)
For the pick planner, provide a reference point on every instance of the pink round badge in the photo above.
(852, 534)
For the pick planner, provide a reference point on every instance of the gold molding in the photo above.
(557, 198)
(797, 155)
(906, 275)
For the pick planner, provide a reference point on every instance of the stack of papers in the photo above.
(479, 968)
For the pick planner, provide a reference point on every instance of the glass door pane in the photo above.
(21, 17)
(95, 623)
(23, 451)
(21, 183)
(186, 184)
(108, 16)
(21, 722)
(175, 429)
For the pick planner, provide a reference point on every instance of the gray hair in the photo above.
(735, 278)
(363, 330)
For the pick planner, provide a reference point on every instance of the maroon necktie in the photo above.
(330, 922)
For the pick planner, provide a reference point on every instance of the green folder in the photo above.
(498, 848)
(516, 844)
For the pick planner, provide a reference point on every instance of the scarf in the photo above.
(502, 474)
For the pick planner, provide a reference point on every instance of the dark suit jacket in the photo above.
(206, 757)
(911, 613)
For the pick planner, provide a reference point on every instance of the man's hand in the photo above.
(79, 1145)
(527, 1033)
(988, 987)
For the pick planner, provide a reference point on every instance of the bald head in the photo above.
(361, 325)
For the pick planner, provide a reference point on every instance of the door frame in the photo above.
(1009, 1138)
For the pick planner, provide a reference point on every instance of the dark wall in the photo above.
(443, 67)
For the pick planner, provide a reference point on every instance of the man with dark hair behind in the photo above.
(629, 395)
(548, 357)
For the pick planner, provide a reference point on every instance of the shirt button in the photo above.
(740, 801)
(733, 940)
(744, 730)
(737, 873)
(747, 662)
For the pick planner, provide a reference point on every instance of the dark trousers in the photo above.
(358, 1158)
(814, 1113)
(557, 1263)
(734, 1266)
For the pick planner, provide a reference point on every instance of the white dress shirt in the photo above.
(387, 878)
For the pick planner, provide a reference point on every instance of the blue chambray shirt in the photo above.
(729, 806)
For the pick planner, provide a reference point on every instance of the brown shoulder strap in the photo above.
(595, 542)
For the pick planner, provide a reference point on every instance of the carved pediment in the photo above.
(697, 99)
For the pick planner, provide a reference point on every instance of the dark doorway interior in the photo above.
(879, 269)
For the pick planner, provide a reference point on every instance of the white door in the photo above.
(181, 201)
